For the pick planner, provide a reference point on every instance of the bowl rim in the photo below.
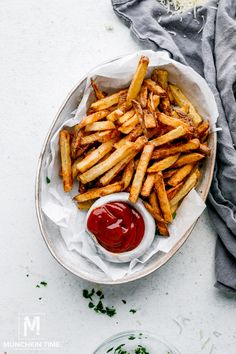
(123, 334)
(86, 276)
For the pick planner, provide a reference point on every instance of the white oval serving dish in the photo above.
(50, 231)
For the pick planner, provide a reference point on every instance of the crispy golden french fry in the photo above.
(128, 174)
(169, 94)
(95, 156)
(160, 225)
(180, 175)
(140, 172)
(81, 150)
(162, 78)
(129, 125)
(153, 212)
(189, 184)
(204, 149)
(85, 205)
(163, 164)
(99, 192)
(153, 102)
(149, 120)
(139, 113)
(91, 138)
(170, 136)
(171, 121)
(106, 165)
(148, 185)
(98, 126)
(202, 128)
(185, 108)
(162, 197)
(174, 190)
(169, 173)
(155, 88)
(205, 135)
(98, 93)
(126, 116)
(110, 134)
(76, 142)
(106, 102)
(92, 118)
(64, 141)
(188, 159)
(181, 100)
(163, 152)
(74, 167)
(135, 133)
(137, 80)
(143, 96)
(165, 105)
(116, 114)
(109, 175)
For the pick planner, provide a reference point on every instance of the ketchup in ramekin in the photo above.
(117, 226)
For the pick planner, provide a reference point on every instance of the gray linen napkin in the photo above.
(207, 42)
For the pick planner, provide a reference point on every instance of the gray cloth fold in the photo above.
(208, 44)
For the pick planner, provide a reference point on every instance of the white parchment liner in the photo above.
(58, 206)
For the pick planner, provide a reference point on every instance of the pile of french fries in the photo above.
(147, 140)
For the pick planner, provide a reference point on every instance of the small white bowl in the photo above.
(149, 231)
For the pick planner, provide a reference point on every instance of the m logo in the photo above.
(31, 324)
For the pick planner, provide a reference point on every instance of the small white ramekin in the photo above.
(149, 231)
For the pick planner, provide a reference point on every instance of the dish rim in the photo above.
(86, 276)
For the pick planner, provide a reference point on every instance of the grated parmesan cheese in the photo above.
(179, 6)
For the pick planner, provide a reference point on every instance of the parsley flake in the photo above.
(133, 311)
(37, 286)
(124, 301)
(131, 337)
(109, 350)
(48, 180)
(44, 283)
(91, 305)
(141, 350)
(99, 308)
(110, 311)
(87, 294)
(174, 215)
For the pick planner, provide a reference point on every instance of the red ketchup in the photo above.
(117, 226)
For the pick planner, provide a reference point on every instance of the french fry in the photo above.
(104, 166)
(165, 105)
(140, 172)
(163, 152)
(189, 184)
(153, 102)
(99, 192)
(128, 174)
(102, 137)
(162, 78)
(98, 93)
(137, 80)
(129, 125)
(160, 225)
(92, 118)
(163, 164)
(106, 102)
(81, 150)
(114, 171)
(135, 133)
(148, 185)
(64, 141)
(205, 135)
(180, 175)
(162, 198)
(171, 121)
(202, 128)
(169, 173)
(143, 96)
(76, 142)
(155, 88)
(116, 114)
(139, 113)
(149, 120)
(188, 159)
(170, 136)
(153, 212)
(82, 188)
(181, 100)
(85, 205)
(95, 156)
(98, 126)
(169, 94)
(174, 190)
(74, 167)
(204, 149)
(125, 116)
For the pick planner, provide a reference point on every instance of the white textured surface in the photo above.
(46, 47)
